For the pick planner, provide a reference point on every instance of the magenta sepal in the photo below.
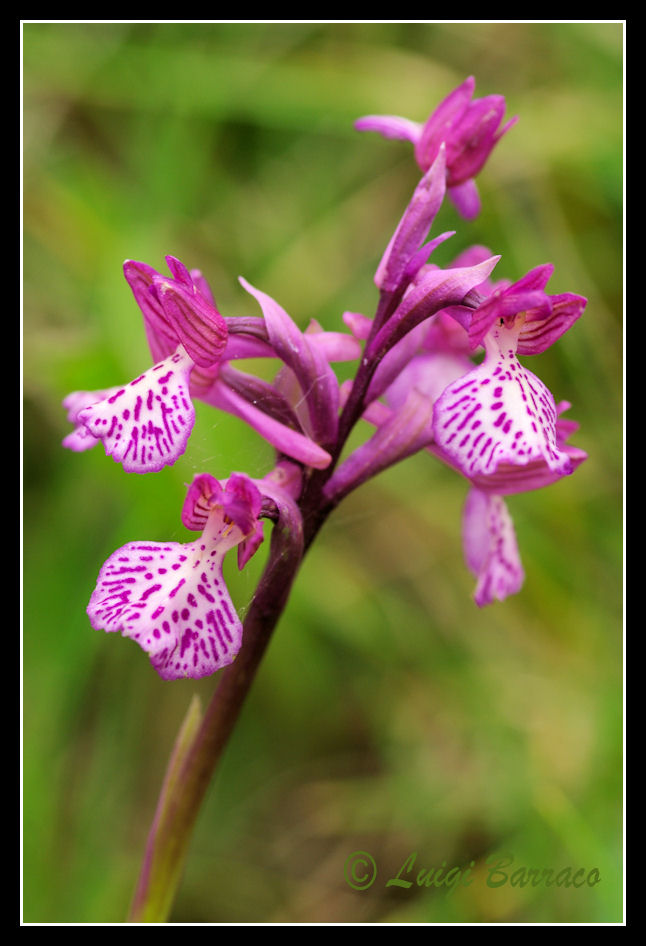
(490, 547)
(507, 302)
(540, 319)
(160, 333)
(171, 598)
(443, 122)
(468, 127)
(318, 382)
(200, 327)
(178, 310)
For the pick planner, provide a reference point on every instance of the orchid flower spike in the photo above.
(170, 597)
(469, 128)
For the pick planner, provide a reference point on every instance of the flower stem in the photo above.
(200, 744)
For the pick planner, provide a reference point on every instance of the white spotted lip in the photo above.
(499, 412)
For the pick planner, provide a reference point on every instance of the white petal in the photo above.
(173, 601)
(145, 425)
(499, 412)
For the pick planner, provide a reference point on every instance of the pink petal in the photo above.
(506, 304)
(360, 325)
(319, 386)
(203, 493)
(538, 332)
(240, 501)
(145, 425)
(490, 547)
(466, 199)
(390, 126)
(248, 548)
(334, 346)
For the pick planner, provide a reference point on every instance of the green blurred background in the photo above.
(390, 714)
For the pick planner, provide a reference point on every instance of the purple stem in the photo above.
(176, 814)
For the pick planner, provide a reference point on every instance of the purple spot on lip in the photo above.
(150, 591)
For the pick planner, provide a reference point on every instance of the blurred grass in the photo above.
(390, 715)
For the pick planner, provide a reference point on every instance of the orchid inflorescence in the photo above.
(417, 383)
